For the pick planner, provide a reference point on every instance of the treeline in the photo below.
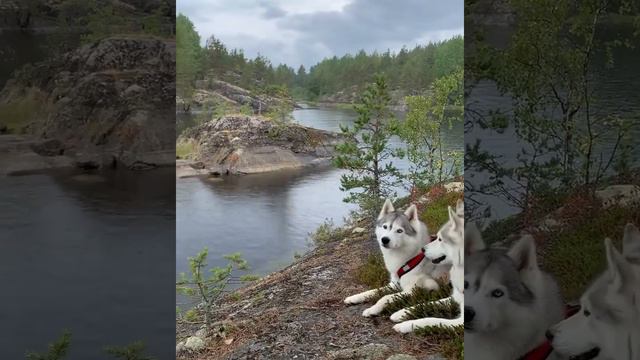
(410, 70)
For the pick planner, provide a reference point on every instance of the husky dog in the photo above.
(448, 248)
(509, 301)
(608, 324)
(401, 237)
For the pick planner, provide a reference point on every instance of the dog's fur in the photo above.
(509, 301)
(448, 248)
(405, 235)
(608, 324)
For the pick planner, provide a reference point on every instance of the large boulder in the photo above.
(211, 92)
(111, 101)
(252, 144)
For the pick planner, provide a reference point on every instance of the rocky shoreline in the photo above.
(298, 312)
(106, 104)
(240, 144)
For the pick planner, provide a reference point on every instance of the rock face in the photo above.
(110, 102)
(252, 144)
(211, 93)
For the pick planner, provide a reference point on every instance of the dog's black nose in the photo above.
(385, 240)
(469, 314)
(549, 335)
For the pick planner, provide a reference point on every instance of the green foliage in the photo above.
(585, 235)
(328, 232)
(373, 273)
(366, 153)
(17, 115)
(86, 21)
(186, 149)
(134, 351)
(422, 130)
(546, 70)
(188, 57)
(435, 213)
(204, 286)
(58, 350)
(411, 70)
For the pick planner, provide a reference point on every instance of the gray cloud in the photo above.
(272, 11)
(294, 37)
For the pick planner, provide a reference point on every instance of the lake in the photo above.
(615, 93)
(266, 217)
(92, 254)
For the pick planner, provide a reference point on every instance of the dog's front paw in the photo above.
(398, 315)
(353, 299)
(372, 311)
(404, 327)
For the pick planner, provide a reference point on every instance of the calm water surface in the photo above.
(91, 254)
(266, 217)
(615, 93)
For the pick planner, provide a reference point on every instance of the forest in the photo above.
(412, 70)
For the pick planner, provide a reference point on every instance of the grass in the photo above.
(186, 149)
(329, 232)
(435, 213)
(576, 255)
(17, 115)
(447, 341)
(372, 273)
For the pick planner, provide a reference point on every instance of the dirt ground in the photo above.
(298, 313)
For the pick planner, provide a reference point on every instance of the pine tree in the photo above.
(366, 152)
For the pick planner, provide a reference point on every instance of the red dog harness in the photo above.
(545, 349)
(413, 262)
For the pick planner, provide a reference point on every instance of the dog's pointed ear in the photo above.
(620, 271)
(472, 239)
(460, 208)
(523, 253)
(631, 243)
(412, 214)
(386, 209)
(456, 220)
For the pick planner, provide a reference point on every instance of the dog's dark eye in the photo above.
(466, 284)
(497, 293)
(399, 231)
(439, 238)
(586, 312)
(384, 226)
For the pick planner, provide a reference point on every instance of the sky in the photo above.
(304, 32)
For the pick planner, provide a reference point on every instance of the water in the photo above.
(615, 94)
(266, 217)
(91, 254)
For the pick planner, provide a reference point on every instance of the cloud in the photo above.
(272, 11)
(305, 31)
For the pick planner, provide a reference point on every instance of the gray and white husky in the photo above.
(608, 323)
(446, 249)
(401, 236)
(509, 301)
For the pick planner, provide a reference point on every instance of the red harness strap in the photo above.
(545, 349)
(413, 262)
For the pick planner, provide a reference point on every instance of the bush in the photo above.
(328, 232)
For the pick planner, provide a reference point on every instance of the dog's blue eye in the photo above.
(399, 231)
(497, 293)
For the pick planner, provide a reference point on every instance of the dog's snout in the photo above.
(385, 240)
(549, 335)
(469, 313)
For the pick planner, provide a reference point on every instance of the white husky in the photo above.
(448, 248)
(608, 324)
(401, 237)
(509, 300)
